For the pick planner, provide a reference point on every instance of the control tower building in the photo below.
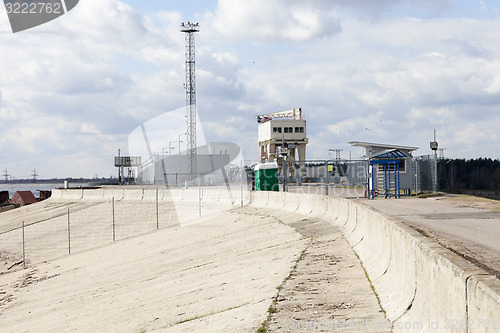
(283, 134)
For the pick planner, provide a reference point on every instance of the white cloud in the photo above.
(65, 87)
(71, 95)
(262, 20)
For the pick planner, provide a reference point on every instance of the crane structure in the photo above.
(282, 136)
(190, 29)
(293, 114)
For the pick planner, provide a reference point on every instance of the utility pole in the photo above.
(180, 166)
(337, 160)
(189, 29)
(170, 147)
(434, 146)
(441, 153)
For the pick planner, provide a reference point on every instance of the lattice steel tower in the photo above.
(189, 29)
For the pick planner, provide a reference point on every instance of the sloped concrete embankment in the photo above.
(422, 286)
(99, 216)
(136, 203)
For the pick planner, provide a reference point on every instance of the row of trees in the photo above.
(460, 175)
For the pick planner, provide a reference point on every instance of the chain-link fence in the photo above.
(80, 219)
(77, 220)
(352, 178)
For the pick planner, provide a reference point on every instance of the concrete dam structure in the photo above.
(418, 281)
(142, 259)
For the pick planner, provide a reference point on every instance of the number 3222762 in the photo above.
(33, 8)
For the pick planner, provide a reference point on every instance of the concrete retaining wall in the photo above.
(422, 286)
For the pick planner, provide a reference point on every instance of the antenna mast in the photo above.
(189, 29)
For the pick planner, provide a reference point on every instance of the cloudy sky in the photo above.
(389, 71)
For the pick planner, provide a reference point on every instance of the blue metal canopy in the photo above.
(387, 158)
(391, 155)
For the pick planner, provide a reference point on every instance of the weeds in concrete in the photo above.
(371, 285)
(272, 308)
(262, 328)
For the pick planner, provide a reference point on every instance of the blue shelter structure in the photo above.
(390, 160)
(400, 168)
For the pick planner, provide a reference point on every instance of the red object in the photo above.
(23, 198)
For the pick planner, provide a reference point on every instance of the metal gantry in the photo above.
(189, 29)
(337, 153)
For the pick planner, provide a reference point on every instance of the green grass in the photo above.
(371, 285)
(262, 328)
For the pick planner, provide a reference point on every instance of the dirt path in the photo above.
(474, 202)
(327, 289)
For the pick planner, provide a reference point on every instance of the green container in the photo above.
(266, 177)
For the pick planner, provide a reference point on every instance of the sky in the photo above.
(391, 71)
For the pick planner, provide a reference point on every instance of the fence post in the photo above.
(113, 205)
(69, 235)
(199, 194)
(416, 176)
(285, 174)
(157, 222)
(241, 186)
(327, 186)
(24, 250)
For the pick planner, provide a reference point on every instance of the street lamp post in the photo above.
(166, 174)
(180, 165)
(170, 157)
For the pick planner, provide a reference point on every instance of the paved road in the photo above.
(472, 232)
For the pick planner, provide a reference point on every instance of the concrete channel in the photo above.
(421, 286)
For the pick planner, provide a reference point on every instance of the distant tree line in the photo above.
(469, 176)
